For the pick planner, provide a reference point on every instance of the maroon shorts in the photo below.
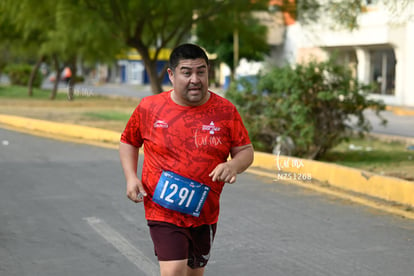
(172, 242)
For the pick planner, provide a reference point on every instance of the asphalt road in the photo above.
(107, 89)
(63, 211)
(397, 125)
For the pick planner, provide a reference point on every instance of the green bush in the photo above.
(305, 110)
(79, 79)
(19, 74)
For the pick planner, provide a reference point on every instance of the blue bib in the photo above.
(181, 194)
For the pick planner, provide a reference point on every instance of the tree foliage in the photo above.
(150, 26)
(56, 31)
(96, 30)
(315, 105)
(13, 46)
(216, 33)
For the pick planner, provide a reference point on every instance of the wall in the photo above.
(375, 32)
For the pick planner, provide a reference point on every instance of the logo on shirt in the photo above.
(160, 124)
(204, 139)
(211, 128)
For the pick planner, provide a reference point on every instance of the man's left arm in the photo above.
(241, 159)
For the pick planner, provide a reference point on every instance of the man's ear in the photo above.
(170, 71)
(171, 75)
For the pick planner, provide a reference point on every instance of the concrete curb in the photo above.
(401, 111)
(390, 189)
(350, 183)
(59, 130)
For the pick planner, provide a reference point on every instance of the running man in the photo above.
(188, 133)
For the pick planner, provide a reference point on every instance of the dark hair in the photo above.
(186, 51)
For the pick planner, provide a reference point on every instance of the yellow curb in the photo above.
(61, 130)
(298, 171)
(286, 168)
(389, 208)
(401, 111)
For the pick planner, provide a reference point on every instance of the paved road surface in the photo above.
(63, 211)
(125, 90)
(397, 125)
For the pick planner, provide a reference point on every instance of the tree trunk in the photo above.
(150, 66)
(155, 81)
(33, 75)
(235, 53)
(57, 78)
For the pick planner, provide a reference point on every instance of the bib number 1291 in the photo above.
(184, 194)
(181, 194)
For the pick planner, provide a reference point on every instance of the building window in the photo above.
(383, 71)
(348, 57)
(369, 5)
(136, 72)
(371, 2)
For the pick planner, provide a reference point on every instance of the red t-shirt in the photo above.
(190, 141)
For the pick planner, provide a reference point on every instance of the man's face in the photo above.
(190, 82)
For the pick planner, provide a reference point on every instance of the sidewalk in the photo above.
(386, 193)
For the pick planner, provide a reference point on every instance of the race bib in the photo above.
(181, 194)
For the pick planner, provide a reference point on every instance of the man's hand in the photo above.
(129, 160)
(135, 191)
(241, 159)
(224, 172)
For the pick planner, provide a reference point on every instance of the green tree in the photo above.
(56, 31)
(333, 13)
(70, 30)
(22, 32)
(7, 35)
(150, 26)
(240, 27)
(339, 14)
(309, 108)
(79, 35)
(235, 33)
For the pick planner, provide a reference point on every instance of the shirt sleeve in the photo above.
(240, 135)
(132, 133)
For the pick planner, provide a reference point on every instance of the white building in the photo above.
(380, 51)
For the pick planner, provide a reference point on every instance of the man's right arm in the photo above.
(129, 160)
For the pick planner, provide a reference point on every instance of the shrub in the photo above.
(19, 74)
(306, 110)
(79, 79)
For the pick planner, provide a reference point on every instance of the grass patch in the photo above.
(361, 152)
(20, 92)
(370, 154)
(370, 158)
(108, 115)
